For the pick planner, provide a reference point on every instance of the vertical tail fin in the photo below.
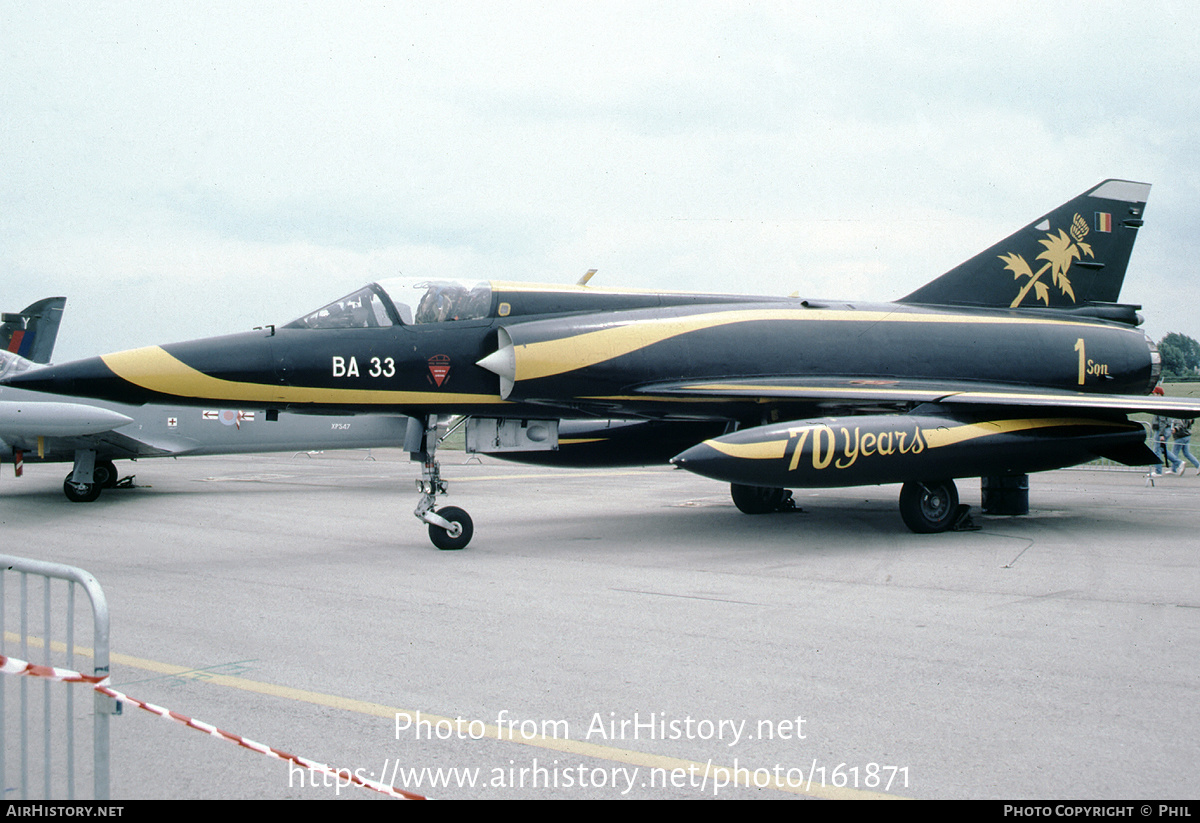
(32, 332)
(1072, 257)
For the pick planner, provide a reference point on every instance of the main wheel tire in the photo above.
(756, 499)
(929, 507)
(80, 492)
(105, 474)
(458, 536)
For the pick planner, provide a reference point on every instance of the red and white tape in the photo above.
(11, 665)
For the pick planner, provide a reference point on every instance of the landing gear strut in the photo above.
(82, 484)
(450, 528)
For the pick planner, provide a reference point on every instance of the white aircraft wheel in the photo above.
(459, 533)
(928, 507)
(80, 492)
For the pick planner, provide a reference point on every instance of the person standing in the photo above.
(1181, 431)
(1161, 430)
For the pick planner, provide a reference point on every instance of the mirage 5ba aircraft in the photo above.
(1018, 360)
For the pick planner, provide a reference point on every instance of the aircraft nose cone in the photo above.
(83, 378)
(195, 369)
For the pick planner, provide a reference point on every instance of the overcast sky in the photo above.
(182, 170)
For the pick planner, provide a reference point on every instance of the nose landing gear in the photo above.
(450, 527)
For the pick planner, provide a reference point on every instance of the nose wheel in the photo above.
(457, 534)
(450, 528)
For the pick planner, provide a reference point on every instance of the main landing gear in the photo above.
(89, 477)
(931, 506)
(761, 499)
(927, 507)
(450, 527)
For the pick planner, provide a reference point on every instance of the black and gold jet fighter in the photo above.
(1019, 360)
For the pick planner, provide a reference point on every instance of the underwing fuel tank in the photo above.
(894, 448)
(44, 419)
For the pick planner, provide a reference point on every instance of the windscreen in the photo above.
(364, 309)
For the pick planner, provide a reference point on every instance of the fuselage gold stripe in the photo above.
(154, 369)
(566, 354)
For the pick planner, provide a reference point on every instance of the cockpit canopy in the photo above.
(13, 364)
(402, 300)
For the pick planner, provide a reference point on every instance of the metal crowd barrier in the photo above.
(38, 643)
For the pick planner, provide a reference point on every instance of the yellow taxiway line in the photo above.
(710, 770)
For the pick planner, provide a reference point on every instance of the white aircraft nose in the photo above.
(21, 419)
